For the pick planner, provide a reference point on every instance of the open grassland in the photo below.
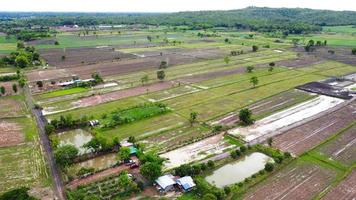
(334, 40)
(73, 40)
(62, 92)
(7, 45)
(145, 127)
(22, 165)
(340, 29)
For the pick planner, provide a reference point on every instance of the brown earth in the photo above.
(297, 182)
(304, 137)
(10, 134)
(112, 96)
(82, 56)
(342, 148)
(11, 108)
(342, 54)
(8, 88)
(346, 190)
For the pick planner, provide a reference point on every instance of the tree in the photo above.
(39, 84)
(254, 48)
(209, 196)
(49, 129)
(184, 170)
(17, 194)
(149, 38)
(22, 82)
(245, 116)
(20, 45)
(124, 153)
(14, 87)
(22, 61)
(161, 75)
(93, 144)
(270, 141)
(151, 170)
(249, 69)
(65, 155)
(163, 65)
(353, 51)
(144, 79)
(2, 90)
(193, 118)
(56, 43)
(254, 81)
(97, 78)
(269, 167)
(227, 59)
(63, 57)
(211, 164)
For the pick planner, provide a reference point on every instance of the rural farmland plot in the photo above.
(298, 181)
(342, 148)
(304, 137)
(344, 190)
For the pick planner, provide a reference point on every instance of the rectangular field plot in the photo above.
(12, 106)
(22, 165)
(304, 137)
(146, 127)
(15, 131)
(268, 106)
(176, 137)
(321, 67)
(346, 189)
(228, 103)
(300, 180)
(230, 89)
(342, 148)
(170, 93)
(99, 110)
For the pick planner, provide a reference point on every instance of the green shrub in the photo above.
(269, 167)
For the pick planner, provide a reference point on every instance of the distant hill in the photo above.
(292, 20)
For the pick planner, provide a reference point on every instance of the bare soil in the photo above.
(8, 88)
(342, 148)
(10, 134)
(297, 182)
(82, 56)
(11, 108)
(98, 99)
(304, 137)
(345, 190)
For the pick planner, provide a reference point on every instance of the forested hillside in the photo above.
(292, 20)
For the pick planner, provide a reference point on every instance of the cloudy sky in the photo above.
(166, 5)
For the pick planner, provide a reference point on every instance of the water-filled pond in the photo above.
(77, 137)
(100, 162)
(237, 171)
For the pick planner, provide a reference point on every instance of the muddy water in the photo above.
(100, 162)
(239, 170)
(77, 137)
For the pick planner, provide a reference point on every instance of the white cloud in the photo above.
(165, 5)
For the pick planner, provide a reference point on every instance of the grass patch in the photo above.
(62, 92)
